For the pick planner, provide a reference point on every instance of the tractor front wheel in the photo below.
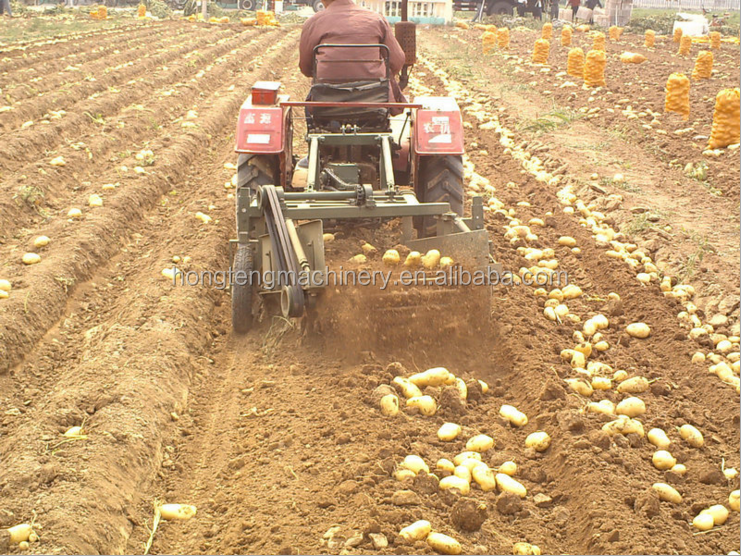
(440, 181)
(248, 5)
(317, 5)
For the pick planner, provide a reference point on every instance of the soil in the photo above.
(276, 436)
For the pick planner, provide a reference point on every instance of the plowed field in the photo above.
(276, 436)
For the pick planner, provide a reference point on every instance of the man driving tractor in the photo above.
(343, 22)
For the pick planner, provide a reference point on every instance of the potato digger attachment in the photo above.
(369, 159)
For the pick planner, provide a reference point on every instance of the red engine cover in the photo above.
(260, 129)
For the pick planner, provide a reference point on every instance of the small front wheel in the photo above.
(242, 290)
(317, 5)
(248, 5)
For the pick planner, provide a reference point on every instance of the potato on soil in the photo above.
(443, 544)
(391, 257)
(426, 404)
(417, 531)
(390, 405)
(407, 389)
(31, 258)
(484, 477)
(20, 533)
(505, 483)
(508, 468)
(41, 241)
(638, 330)
(432, 377)
(658, 438)
(667, 493)
(431, 259)
(632, 407)
(692, 436)
(703, 521)
(634, 385)
(663, 460)
(455, 482)
(480, 443)
(719, 513)
(413, 260)
(448, 432)
(414, 464)
(513, 415)
(734, 499)
(538, 441)
(177, 512)
(5, 285)
(525, 549)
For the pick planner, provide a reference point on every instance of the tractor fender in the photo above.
(262, 129)
(438, 127)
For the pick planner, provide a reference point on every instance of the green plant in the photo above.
(548, 122)
(30, 195)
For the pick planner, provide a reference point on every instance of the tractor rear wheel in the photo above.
(253, 171)
(242, 290)
(440, 181)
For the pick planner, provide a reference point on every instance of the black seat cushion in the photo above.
(356, 91)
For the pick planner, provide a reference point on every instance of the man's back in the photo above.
(342, 22)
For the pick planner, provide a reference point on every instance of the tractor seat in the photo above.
(332, 118)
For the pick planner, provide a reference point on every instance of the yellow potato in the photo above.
(444, 544)
(719, 513)
(733, 500)
(635, 385)
(408, 390)
(448, 432)
(513, 415)
(177, 512)
(508, 468)
(658, 438)
(538, 441)
(414, 464)
(432, 377)
(466, 455)
(31, 258)
(20, 533)
(638, 330)
(445, 465)
(508, 484)
(417, 531)
(484, 477)
(426, 404)
(391, 257)
(413, 260)
(663, 460)
(692, 436)
(431, 259)
(525, 549)
(455, 482)
(390, 405)
(632, 407)
(667, 493)
(480, 443)
(703, 522)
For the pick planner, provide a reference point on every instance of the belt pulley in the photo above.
(286, 262)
